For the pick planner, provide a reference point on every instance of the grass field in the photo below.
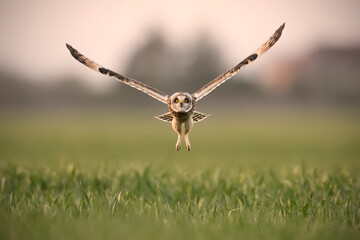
(289, 175)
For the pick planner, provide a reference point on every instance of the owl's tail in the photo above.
(196, 116)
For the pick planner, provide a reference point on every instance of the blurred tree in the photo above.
(204, 63)
(155, 63)
(172, 69)
(330, 75)
(15, 91)
(18, 92)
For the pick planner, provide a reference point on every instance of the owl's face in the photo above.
(181, 102)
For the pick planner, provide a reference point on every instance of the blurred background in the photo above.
(174, 46)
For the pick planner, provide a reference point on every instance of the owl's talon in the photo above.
(178, 147)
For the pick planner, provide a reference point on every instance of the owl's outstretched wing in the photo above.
(131, 82)
(225, 76)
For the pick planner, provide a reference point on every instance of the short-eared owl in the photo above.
(181, 105)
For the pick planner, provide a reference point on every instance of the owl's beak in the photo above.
(181, 104)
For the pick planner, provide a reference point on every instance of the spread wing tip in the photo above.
(282, 26)
(72, 50)
(82, 59)
(68, 46)
(273, 39)
(280, 29)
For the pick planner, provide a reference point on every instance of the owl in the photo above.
(181, 105)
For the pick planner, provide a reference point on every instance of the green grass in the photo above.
(255, 176)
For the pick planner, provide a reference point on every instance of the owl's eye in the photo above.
(176, 100)
(186, 100)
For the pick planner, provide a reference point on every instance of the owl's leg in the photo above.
(188, 125)
(176, 125)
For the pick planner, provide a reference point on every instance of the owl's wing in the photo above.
(131, 82)
(225, 76)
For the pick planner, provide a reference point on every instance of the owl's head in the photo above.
(181, 102)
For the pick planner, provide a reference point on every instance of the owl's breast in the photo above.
(181, 116)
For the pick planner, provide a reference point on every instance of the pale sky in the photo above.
(33, 33)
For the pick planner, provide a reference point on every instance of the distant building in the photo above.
(329, 74)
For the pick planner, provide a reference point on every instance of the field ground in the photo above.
(289, 175)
